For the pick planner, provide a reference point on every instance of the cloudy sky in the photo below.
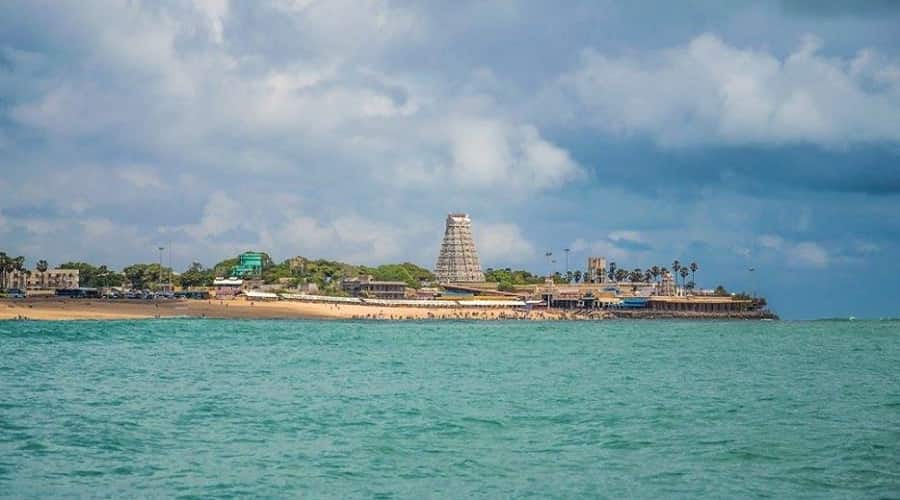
(763, 134)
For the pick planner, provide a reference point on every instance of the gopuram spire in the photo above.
(458, 260)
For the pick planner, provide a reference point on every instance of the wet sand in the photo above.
(51, 309)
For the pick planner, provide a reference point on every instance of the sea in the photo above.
(346, 409)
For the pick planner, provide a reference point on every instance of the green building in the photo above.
(249, 264)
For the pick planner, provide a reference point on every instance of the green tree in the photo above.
(196, 276)
(223, 268)
(93, 276)
(407, 272)
(684, 274)
(42, 266)
(578, 275)
(145, 276)
(515, 277)
(694, 268)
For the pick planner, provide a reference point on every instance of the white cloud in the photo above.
(607, 247)
(804, 254)
(626, 236)
(215, 12)
(807, 254)
(771, 241)
(220, 214)
(709, 91)
(491, 154)
(502, 243)
(140, 177)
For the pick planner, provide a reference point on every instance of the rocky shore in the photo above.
(647, 314)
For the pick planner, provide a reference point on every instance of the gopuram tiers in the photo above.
(458, 260)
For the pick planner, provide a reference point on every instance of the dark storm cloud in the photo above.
(825, 8)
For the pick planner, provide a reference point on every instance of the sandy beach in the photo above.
(55, 309)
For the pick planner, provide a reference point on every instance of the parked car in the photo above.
(78, 293)
(15, 293)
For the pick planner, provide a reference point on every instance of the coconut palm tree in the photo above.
(19, 266)
(621, 275)
(684, 274)
(612, 271)
(42, 266)
(4, 260)
(654, 271)
(694, 268)
(8, 265)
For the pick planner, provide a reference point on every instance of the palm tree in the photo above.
(636, 276)
(42, 266)
(655, 272)
(621, 275)
(578, 276)
(694, 268)
(684, 274)
(4, 261)
(612, 271)
(8, 265)
(19, 266)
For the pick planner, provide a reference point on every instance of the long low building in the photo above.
(51, 279)
(503, 303)
(366, 286)
(699, 304)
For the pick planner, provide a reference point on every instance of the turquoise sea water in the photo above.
(507, 409)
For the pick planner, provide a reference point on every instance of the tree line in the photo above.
(326, 274)
(655, 274)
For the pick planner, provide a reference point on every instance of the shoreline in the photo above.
(66, 309)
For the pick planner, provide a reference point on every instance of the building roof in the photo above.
(694, 299)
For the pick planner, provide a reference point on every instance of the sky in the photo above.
(738, 135)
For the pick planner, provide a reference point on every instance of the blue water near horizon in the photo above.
(639, 409)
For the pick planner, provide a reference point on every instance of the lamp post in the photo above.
(159, 285)
(567, 265)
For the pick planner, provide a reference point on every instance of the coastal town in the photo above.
(253, 285)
